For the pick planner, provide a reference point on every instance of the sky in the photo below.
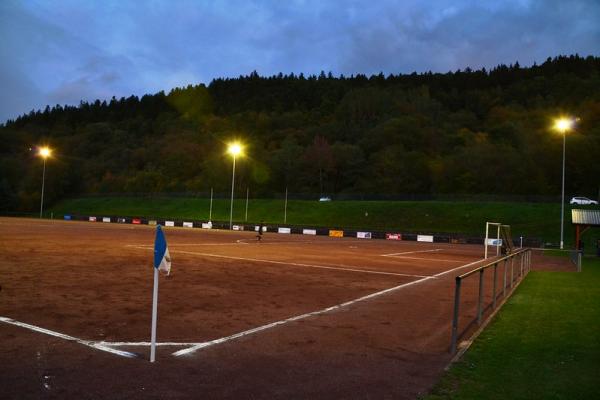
(67, 51)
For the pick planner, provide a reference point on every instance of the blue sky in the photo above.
(64, 51)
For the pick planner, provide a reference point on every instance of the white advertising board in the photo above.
(425, 238)
(494, 242)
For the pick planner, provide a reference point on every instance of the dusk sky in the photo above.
(64, 51)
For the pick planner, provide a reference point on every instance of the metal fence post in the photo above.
(480, 301)
(512, 264)
(505, 270)
(455, 317)
(494, 290)
(521, 266)
(579, 261)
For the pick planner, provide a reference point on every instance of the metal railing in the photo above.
(523, 260)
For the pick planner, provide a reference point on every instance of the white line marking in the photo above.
(410, 252)
(311, 314)
(29, 225)
(134, 344)
(147, 246)
(365, 271)
(88, 343)
(427, 259)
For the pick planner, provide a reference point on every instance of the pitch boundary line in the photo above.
(427, 259)
(134, 344)
(338, 268)
(314, 313)
(88, 343)
(410, 252)
(188, 244)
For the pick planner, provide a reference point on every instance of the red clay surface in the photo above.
(93, 281)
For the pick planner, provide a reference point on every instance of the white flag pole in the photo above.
(154, 316)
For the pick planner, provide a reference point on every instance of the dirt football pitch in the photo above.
(292, 316)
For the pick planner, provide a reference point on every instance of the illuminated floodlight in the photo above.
(45, 152)
(564, 124)
(234, 149)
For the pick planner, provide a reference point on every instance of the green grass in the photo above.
(544, 344)
(541, 220)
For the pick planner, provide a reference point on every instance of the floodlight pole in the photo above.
(232, 184)
(43, 181)
(247, 193)
(285, 208)
(210, 209)
(562, 203)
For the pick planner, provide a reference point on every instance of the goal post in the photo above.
(499, 236)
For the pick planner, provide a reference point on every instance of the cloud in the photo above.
(71, 50)
(468, 34)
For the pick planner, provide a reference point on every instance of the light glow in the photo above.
(45, 152)
(234, 149)
(563, 124)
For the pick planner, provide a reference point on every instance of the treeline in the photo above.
(463, 132)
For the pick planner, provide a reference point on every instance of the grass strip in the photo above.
(539, 220)
(544, 344)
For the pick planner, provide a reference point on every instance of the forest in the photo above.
(471, 132)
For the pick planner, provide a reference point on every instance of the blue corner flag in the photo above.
(162, 258)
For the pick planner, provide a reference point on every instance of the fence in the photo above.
(522, 258)
(575, 256)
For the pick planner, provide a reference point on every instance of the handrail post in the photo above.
(455, 317)
(512, 265)
(480, 301)
(495, 284)
(505, 270)
(521, 267)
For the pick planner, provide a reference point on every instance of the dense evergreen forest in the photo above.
(462, 132)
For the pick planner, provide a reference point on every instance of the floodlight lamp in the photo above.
(234, 149)
(563, 124)
(45, 152)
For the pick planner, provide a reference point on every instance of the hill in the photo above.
(465, 132)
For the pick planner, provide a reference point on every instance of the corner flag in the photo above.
(162, 258)
(162, 262)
